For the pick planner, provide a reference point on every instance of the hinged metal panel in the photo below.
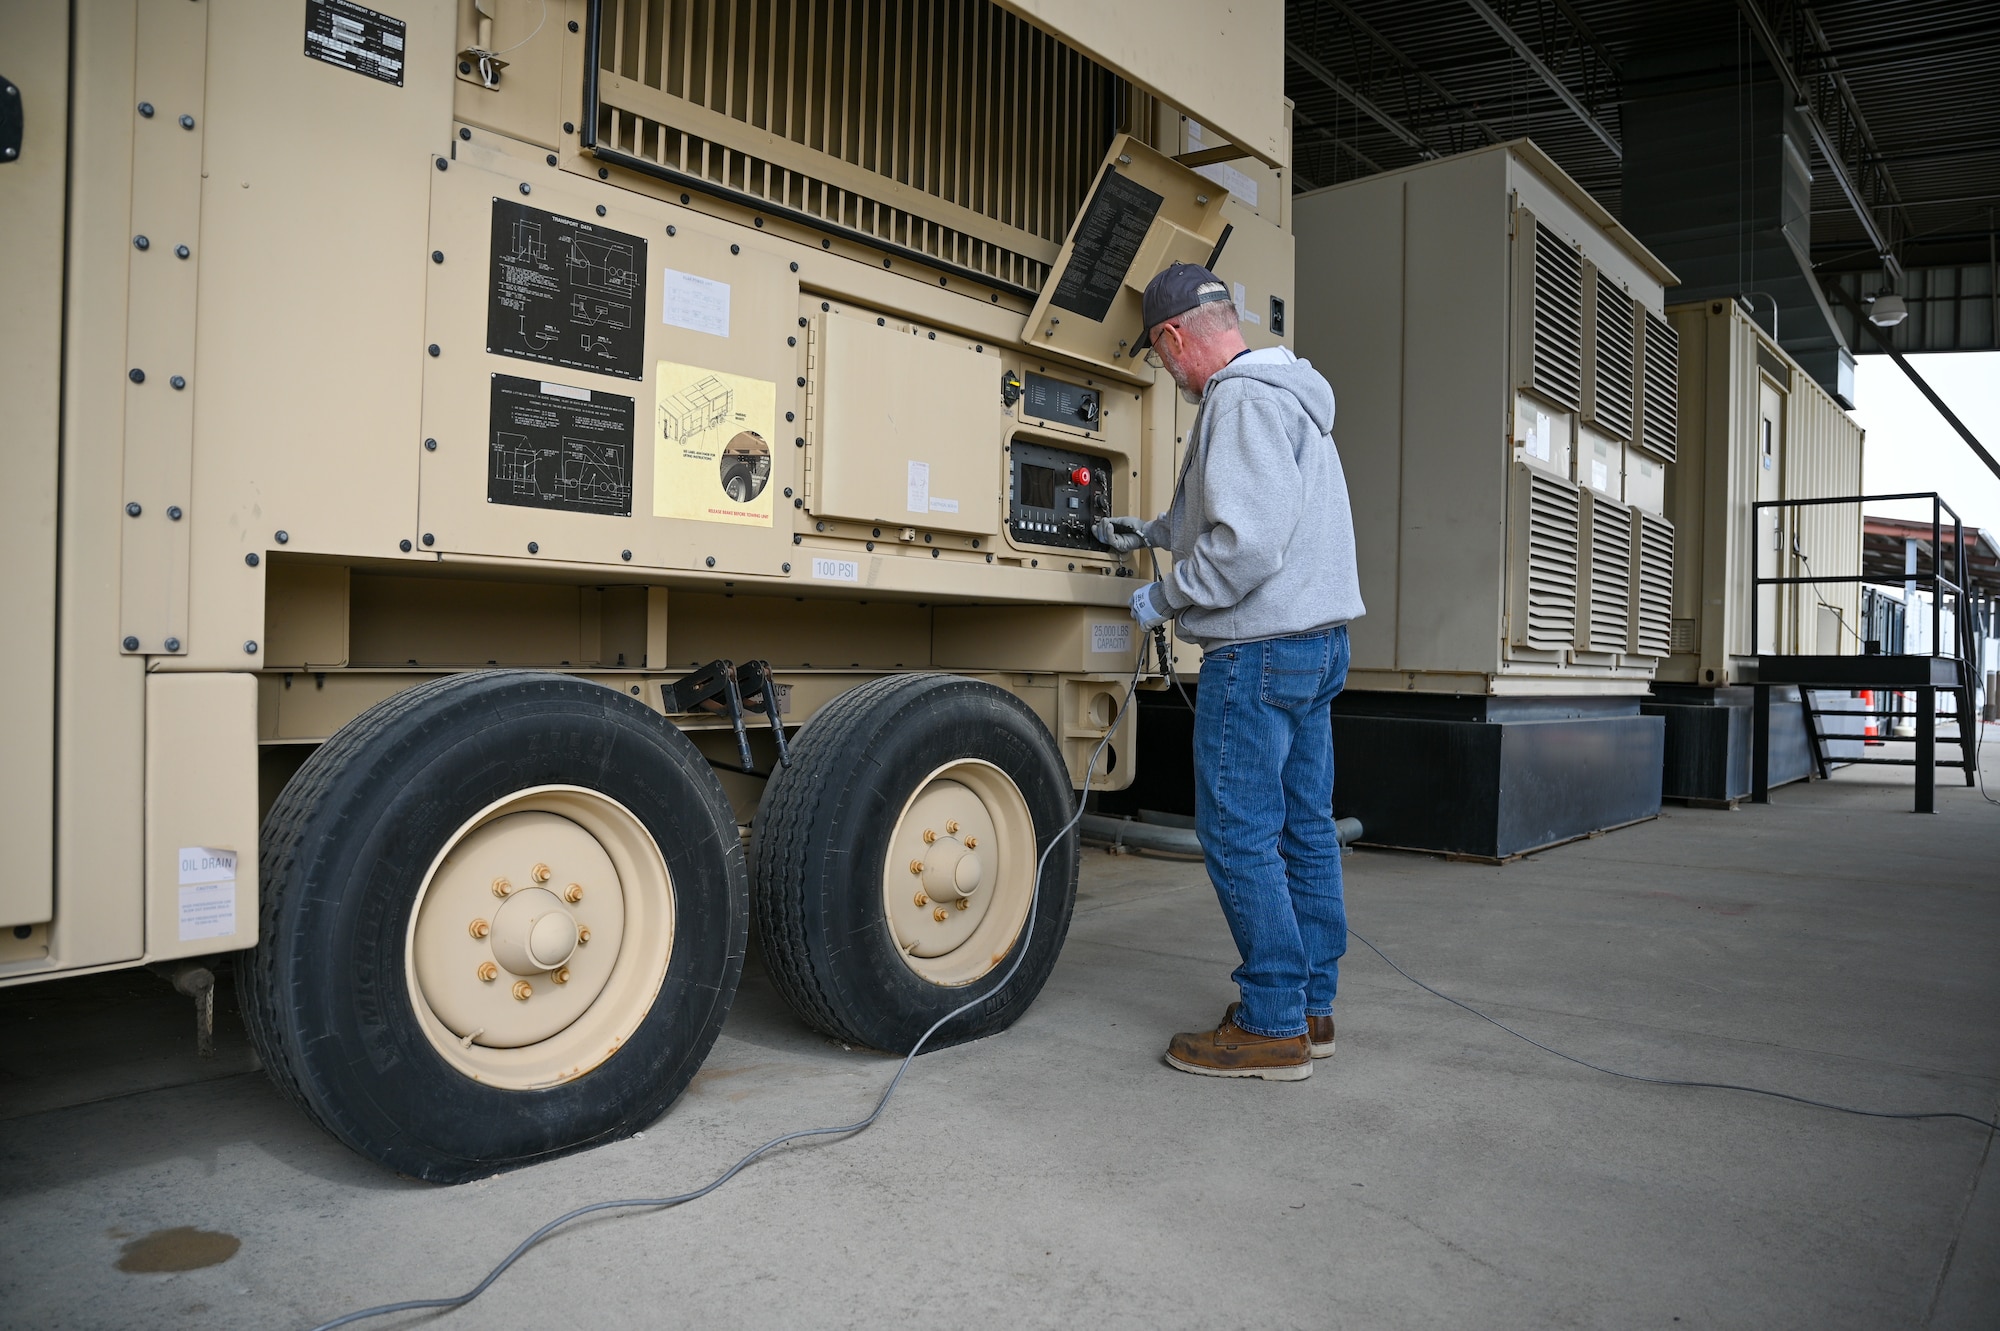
(160, 332)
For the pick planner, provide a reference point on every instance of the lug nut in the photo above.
(921, 899)
(561, 976)
(540, 873)
(488, 971)
(916, 866)
(940, 915)
(479, 928)
(501, 887)
(951, 827)
(583, 935)
(523, 990)
(971, 842)
(963, 904)
(573, 893)
(929, 836)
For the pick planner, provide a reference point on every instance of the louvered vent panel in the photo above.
(1652, 586)
(1659, 366)
(1604, 604)
(1613, 355)
(1552, 533)
(950, 127)
(1558, 320)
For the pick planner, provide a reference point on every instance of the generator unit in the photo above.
(1504, 381)
(485, 474)
(1754, 426)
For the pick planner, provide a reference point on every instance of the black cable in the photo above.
(845, 1129)
(1661, 1081)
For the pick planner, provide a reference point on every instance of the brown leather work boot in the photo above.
(1229, 1051)
(1319, 1030)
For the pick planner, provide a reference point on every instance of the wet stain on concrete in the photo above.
(181, 1249)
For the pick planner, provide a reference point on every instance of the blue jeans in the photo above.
(1263, 753)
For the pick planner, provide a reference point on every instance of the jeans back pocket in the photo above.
(1294, 669)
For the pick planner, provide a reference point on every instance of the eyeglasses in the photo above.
(1152, 356)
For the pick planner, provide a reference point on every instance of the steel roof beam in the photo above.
(1388, 48)
(1305, 60)
(1547, 75)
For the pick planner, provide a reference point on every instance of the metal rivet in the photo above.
(989, 559)
(173, 513)
(572, 28)
(798, 503)
(684, 200)
(711, 561)
(430, 445)
(252, 559)
(789, 416)
(146, 110)
(573, 893)
(187, 122)
(250, 647)
(736, 249)
(788, 492)
(404, 545)
(881, 323)
(798, 539)
(552, 161)
(672, 231)
(569, 127)
(975, 542)
(181, 251)
(464, 133)
(802, 381)
(443, 165)
(875, 531)
(600, 210)
(501, 887)
(173, 644)
(871, 545)
(523, 991)
(465, 66)
(434, 350)
(825, 244)
(429, 539)
(534, 547)
(787, 568)
(488, 971)
(140, 242)
(604, 173)
(437, 256)
(131, 644)
(526, 188)
(137, 376)
(479, 928)
(133, 510)
(824, 306)
(283, 537)
(933, 337)
(178, 382)
(885, 263)
(625, 555)
(795, 268)
(934, 552)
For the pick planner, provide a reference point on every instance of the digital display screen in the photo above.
(1038, 486)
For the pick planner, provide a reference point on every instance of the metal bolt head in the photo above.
(963, 904)
(573, 893)
(252, 559)
(187, 122)
(583, 934)
(131, 644)
(178, 382)
(917, 868)
(488, 972)
(249, 646)
(921, 898)
(133, 510)
(146, 110)
(561, 976)
(136, 375)
(523, 991)
(282, 537)
(182, 251)
(173, 644)
(940, 914)
(540, 873)
(173, 513)
(430, 445)
(929, 836)
(501, 887)
(951, 827)
(140, 243)
(526, 188)
(479, 928)
(404, 545)
(437, 256)
(971, 842)
(534, 547)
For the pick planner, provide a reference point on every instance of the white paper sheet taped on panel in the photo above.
(700, 304)
(208, 910)
(1107, 638)
(207, 864)
(920, 488)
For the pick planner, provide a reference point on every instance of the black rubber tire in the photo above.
(822, 832)
(344, 851)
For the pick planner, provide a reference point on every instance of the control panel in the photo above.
(1055, 494)
(1069, 404)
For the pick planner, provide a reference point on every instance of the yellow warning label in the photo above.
(712, 446)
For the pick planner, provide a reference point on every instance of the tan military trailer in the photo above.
(500, 493)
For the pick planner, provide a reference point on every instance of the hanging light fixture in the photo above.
(1888, 310)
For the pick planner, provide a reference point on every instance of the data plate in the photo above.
(566, 292)
(355, 38)
(555, 446)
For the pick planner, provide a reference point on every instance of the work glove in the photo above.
(1121, 534)
(1150, 607)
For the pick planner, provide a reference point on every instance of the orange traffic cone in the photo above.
(1868, 730)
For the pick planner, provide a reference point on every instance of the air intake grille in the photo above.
(948, 127)
(1660, 361)
(1613, 343)
(1604, 608)
(1557, 331)
(1652, 586)
(1546, 612)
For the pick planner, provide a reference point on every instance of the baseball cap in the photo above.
(1175, 290)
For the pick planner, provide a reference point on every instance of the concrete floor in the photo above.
(1436, 1173)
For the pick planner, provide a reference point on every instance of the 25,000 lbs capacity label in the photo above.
(354, 37)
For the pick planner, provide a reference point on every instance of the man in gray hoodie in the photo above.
(1263, 580)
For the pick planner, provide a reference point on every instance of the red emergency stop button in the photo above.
(1081, 476)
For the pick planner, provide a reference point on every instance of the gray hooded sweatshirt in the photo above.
(1260, 530)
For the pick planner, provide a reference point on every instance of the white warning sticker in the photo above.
(206, 864)
(943, 505)
(208, 910)
(1109, 638)
(700, 304)
(1600, 476)
(836, 570)
(919, 500)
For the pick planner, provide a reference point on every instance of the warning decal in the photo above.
(711, 446)
(356, 38)
(554, 446)
(566, 292)
(1106, 245)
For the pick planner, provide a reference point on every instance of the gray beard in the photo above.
(1189, 396)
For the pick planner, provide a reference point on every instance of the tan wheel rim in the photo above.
(540, 937)
(960, 873)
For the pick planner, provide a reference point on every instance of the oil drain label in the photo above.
(207, 893)
(355, 38)
(566, 292)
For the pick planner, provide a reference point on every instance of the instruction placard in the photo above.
(711, 446)
(566, 292)
(355, 38)
(1107, 243)
(557, 446)
(207, 893)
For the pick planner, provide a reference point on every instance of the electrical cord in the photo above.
(842, 1130)
(1662, 1081)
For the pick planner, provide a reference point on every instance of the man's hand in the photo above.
(1121, 534)
(1149, 607)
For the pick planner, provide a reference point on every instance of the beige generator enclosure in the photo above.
(666, 435)
(1504, 375)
